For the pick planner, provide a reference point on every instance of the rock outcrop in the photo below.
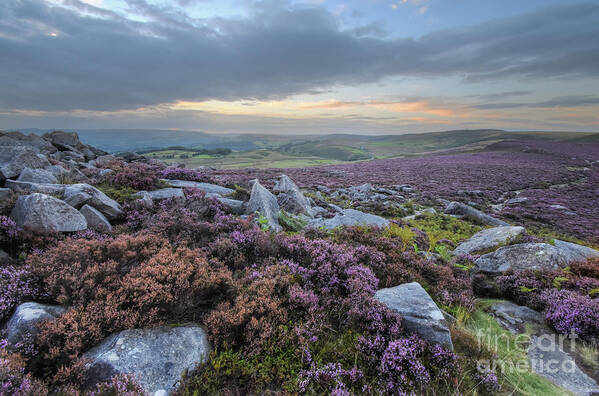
(524, 256)
(419, 313)
(42, 212)
(574, 252)
(290, 197)
(163, 193)
(23, 322)
(463, 211)
(262, 201)
(349, 217)
(37, 176)
(95, 220)
(156, 357)
(489, 238)
(78, 195)
(206, 187)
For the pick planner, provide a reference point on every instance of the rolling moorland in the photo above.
(280, 151)
(454, 271)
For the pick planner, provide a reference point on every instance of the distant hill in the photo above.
(332, 147)
(115, 140)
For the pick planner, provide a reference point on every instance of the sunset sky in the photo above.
(300, 67)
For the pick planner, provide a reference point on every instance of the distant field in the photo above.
(246, 159)
(295, 151)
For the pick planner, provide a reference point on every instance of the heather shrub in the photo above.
(14, 380)
(138, 176)
(569, 312)
(16, 285)
(195, 220)
(117, 283)
(185, 174)
(119, 385)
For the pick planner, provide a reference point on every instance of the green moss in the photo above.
(406, 234)
(119, 194)
(291, 223)
(440, 226)
(550, 236)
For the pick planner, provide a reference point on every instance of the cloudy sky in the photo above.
(291, 66)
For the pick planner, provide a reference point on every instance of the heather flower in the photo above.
(16, 285)
(570, 312)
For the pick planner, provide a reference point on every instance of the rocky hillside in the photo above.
(457, 274)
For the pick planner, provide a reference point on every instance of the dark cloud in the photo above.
(102, 61)
(561, 101)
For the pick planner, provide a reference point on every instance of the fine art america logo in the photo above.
(544, 354)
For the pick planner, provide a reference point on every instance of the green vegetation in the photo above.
(263, 158)
(442, 227)
(291, 223)
(119, 194)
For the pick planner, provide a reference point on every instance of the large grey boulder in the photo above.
(348, 218)
(29, 187)
(23, 322)
(548, 358)
(37, 143)
(14, 159)
(419, 313)
(110, 208)
(206, 187)
(5, 194)
(37, 176)
(523, 256)
(489, 239)
(95, 220)
(463, 211)
(236, 206)
(159, 195)
(515, 317)
(42, 212)
(64, 141)
(156, 357)
(574, 252)
(290, 197)
(263, 202)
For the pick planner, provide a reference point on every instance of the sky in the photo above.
(300, 66)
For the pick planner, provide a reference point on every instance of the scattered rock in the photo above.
(95, 220)
(14, 159)
(263, 202)
(64, 141)
(42, 212)
(129, 156)
(461, 210)
(420, 213)
(156, 357)
(23, 322)
(522, 257)
(159, 195)
(574, 252)
(514, 317)
(290, 197)
(489, 239)
(237, 207)
(106, 205)
(37, 176)
(349, 217)
(548, 359)
(28, 187)
(419, 313)
(5, 194)
(206, 187)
